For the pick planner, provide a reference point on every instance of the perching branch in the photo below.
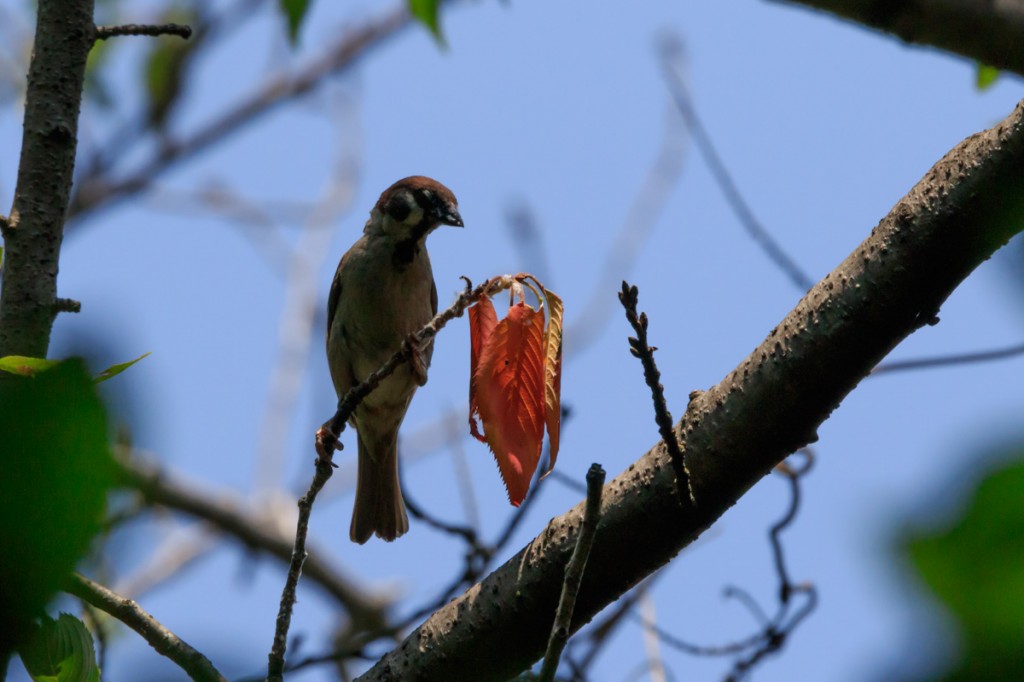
(574, 574)
(965, 208)
(34, 229)
(163, 641)
(332, 428)
(981, 30)
(275, 665)
(327, 442)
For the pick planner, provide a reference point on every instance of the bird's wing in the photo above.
(335, 296)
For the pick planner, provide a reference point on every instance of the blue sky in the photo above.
(560, 107)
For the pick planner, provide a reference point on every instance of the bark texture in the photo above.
(34, 230)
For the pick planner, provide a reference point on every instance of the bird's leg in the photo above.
(417, 362)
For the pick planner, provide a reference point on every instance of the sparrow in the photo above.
(383, 292)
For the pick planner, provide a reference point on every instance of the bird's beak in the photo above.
(450, 216)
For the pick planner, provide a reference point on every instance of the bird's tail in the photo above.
(379, 506)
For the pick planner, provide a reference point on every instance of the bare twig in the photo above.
(574, 574)
(67, 305)
(298, 315)
(949, 360)
(220, 511)
(465, 532)
(275, 664)
(184, 547)
(599, 633)
(349, 49)
(159, 637)
(654, 666)
(774, 635)
(640, 349)
(733, 196)
(478, 559)
(776, 629)
(182, 31)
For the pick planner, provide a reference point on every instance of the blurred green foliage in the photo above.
(976, 567)
(985, 76)
(57, 470)
(426, 12)
(294, 12)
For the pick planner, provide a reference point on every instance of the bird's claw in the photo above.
(326, 443)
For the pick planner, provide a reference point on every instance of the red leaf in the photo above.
(482, 320)
(509, 395)
(553, 375)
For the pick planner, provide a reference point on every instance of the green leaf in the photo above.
(985, 76)
(976, 568)
(426, 12)
(294, 12)
(25, 366)
(57, 468)
(114, 370)
(61, 651)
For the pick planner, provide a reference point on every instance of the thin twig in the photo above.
(163, 641)
(640, 349)
(720, 173)
(775, 630)
(598, 634)
(67, 305)
(465, 532)
(478, 560)
(222, 512)
(275, 664)
(298, 317)
(574, 574)
(949, 360)
(180, 30)
(350, 47)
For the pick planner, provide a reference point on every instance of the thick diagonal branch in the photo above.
(981, 30)
(964, 209)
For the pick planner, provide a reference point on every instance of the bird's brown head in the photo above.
(414, 206)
